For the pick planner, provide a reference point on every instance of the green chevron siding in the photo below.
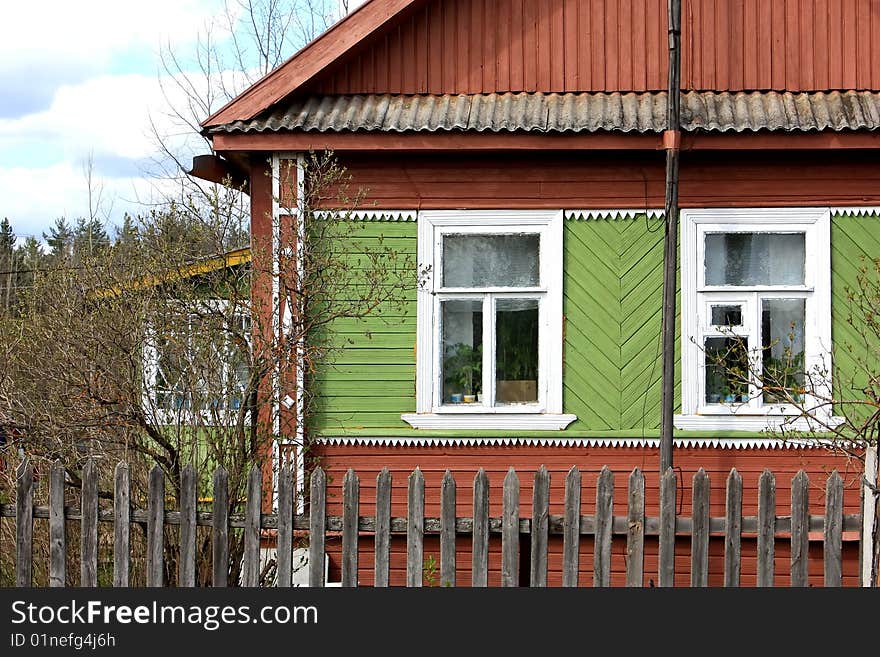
(855, 242)
(613, 293)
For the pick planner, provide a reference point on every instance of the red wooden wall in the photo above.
(612, 180)
(464, 462)
(481, 46)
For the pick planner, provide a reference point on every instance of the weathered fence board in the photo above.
(121, 525)
(833, 533)
(800, 542)
(89, 527)
(766, 528)
(220, 533)
(510, 531)
(317, 526)
(571, 529)
(540, 528)
(604, 526)
(24, 524)
(415, 529)
(187, 566)
(251, 570)
(480, 531)
(350, 508)
(156, 528)
(635, 537)
(383, 528)
(700, 536)
(733, 530)
(57, 527)
(447, 530)
(284, 547)
(666, 548)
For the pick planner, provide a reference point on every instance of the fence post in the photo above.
(833, 543)
(155, 527)
(57, 527)
(635, 535)
(89, 526)
(766, 528)
(666, 548)
(121, 524)
(447, 530)
(317, 526)
(510, 531)
(480, 542)
(604, 520)
(540, 528)
(733, 530)
(350, 506)
(220, 528)
(571, 528)
(382, 544)
(284, 548)
(700, 536)
(800, 528)
(24, 524)
(415, 529)
(253, 508)
(187, 566)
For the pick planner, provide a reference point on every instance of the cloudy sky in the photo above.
(80, 81)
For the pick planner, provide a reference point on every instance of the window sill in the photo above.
(732, 422)
(501, 421)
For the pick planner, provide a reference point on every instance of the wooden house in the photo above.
(516, 147)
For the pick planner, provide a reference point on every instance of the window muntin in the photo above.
(778, 261)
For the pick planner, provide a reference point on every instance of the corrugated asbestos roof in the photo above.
(584, 112)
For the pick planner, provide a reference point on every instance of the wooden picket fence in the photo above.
(600, 526)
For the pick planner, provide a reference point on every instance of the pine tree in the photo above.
(89, 238)
(7, 238)
(60, 239)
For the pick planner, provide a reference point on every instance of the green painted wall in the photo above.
(612, 301)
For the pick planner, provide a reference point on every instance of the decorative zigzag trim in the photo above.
(588, 215)
(722, 443)
(370, 215)
(867, 211)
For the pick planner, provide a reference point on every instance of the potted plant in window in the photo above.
(462, 372)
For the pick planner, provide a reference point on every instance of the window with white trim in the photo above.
(191, 369)
(756, 316)
(489, 351)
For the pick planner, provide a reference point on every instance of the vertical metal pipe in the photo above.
(671, 142)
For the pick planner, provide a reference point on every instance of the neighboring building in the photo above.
(517, 147)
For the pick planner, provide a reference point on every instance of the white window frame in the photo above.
(151, 358)
(547, 413)
(697, 299)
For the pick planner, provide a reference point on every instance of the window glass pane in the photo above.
(755, 258)
(727, 316)
(516, 351)
(491, 261)
(782, 344)
(727, 370)
(462, 349)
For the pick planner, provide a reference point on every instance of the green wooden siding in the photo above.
(855, 242)
(612, 301)
(371, 378)
(613, 287)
